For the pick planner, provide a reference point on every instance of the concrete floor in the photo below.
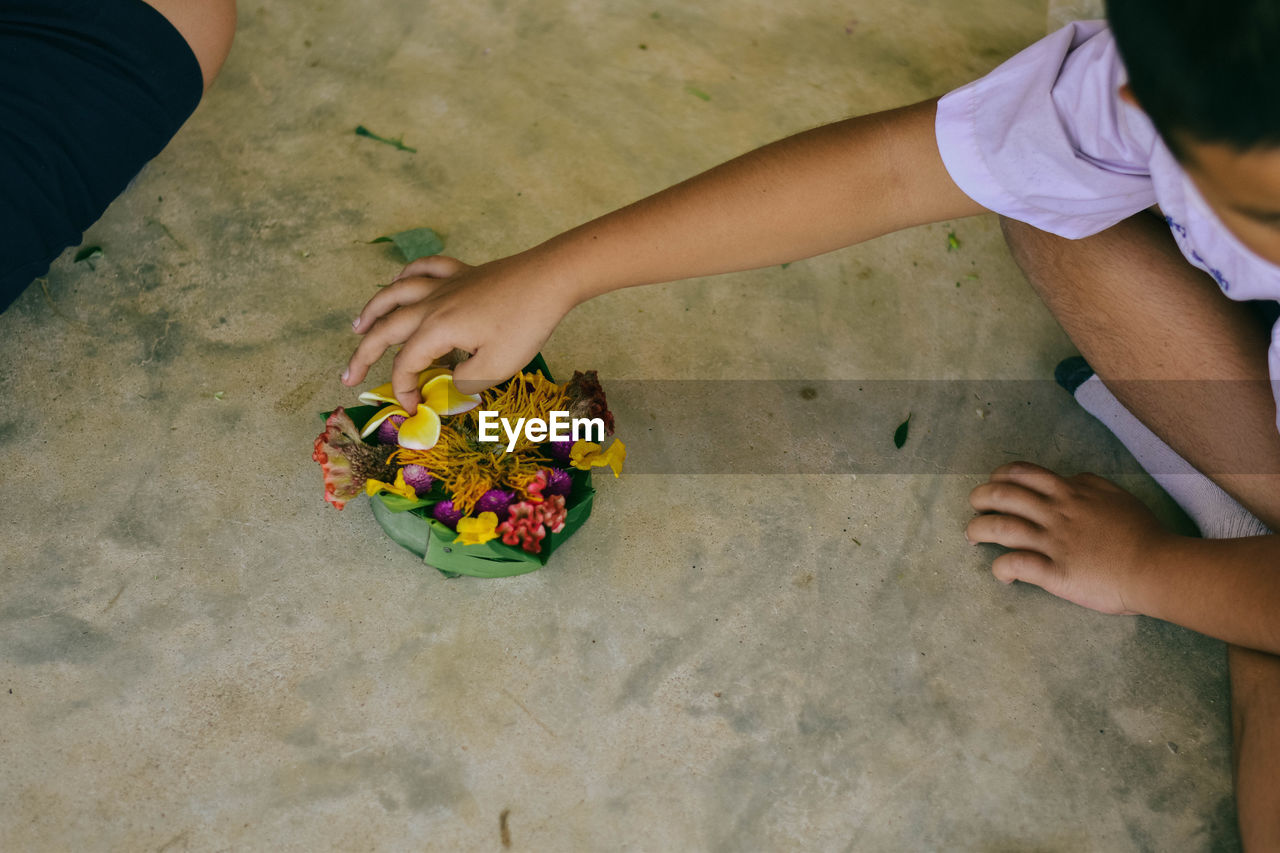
(197, 653)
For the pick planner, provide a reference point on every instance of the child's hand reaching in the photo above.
(496, 311)
(1081, 538)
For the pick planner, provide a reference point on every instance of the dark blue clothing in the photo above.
(90, 90)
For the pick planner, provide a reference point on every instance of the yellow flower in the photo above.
(477, 531)
(381, 415)
(440, 397)
(422, 431)
(586, 455)
(399, 487)
(385, 394)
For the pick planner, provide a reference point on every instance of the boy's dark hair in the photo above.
(1204, 69)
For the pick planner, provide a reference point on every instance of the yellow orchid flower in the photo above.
(586, 455)
(477, 531)
(399, 487)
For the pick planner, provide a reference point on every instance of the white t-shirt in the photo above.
(1047, 140)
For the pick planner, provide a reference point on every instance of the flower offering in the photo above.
(484, 484)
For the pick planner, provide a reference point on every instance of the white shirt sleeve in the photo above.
(1046, 139)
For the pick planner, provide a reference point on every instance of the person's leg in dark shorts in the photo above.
(90, 90)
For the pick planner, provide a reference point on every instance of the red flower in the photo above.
(536, 485)
(524, 527)
(553, 512)
(346, 461)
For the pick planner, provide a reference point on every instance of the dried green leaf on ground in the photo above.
(395, 142)
(90, 254)
(900, 434)
(414, 243)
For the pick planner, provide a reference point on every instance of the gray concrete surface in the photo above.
(196, 653)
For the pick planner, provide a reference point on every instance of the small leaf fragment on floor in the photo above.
(89, 254)
(953, 242)
(697, 93)
(395, 142)
(900, 434)
(504, 831)
(218, 395)
(414, 243)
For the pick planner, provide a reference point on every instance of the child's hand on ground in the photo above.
(1081, 538)
(436, 304)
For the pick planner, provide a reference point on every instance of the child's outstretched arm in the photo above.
(802, 196)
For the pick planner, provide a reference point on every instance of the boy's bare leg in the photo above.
(1255, 748)
(1138, 311)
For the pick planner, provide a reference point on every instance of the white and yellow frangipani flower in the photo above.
(380, 416)
(441, 394)
(420, 431)
(384, 393)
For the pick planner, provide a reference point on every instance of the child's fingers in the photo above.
(1025, 566)
(1030, 475)
(1011, 498)
(1007, 530)
(421, 349)
(384, 333)
(433, 266)
(388, 299)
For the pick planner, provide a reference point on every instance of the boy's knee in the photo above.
(1255, 682)
(1037, 253)
(1015, 232)
(1030, 246)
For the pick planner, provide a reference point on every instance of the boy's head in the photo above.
(1203, 70)
(1207, 73)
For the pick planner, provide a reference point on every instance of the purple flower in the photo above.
(558, 482)
(389, 430)
(418, 477)
(561, 449)
(495, 501)
(446, 514)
